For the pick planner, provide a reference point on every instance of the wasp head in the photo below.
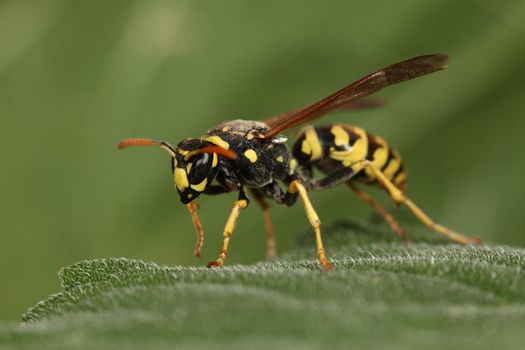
(194, 163)
(194, 168)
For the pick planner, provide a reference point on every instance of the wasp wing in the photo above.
(393, 74)
(365, 103)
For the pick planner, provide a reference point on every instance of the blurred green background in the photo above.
(76, 77)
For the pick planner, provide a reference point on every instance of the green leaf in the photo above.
(384, 294)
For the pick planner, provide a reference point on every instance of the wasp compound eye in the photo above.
(200, 168)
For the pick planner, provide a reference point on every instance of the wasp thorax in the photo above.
(193, 170)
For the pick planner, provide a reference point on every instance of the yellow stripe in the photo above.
(359, 149)
(393, 166)
(341, 137)
(200, 187)
(357, 152)
(215, 160)
(311, 144)
(380, 156)
(216, 140)
(381, 153)
(400, 178)
(305, 147)
(280, 159)
(181, 179)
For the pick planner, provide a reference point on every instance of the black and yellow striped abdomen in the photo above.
(333, 147)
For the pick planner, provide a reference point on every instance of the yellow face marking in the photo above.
(226, 129)
(311, 144)
(280, 159)
(190, 195)
(341, 137)
(188, 167)
(250, 136)
(216, 140)
(181, 179)
(200, 187)
(251, 155)
(215, 160)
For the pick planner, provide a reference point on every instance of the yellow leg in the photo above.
(400, 198)
(270, 232)
(228, 231)
(192, 208)
(297, 186)
(382, 211)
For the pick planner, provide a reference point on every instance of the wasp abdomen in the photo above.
(333, 147)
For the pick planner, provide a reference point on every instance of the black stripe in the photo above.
(326, 138)
(353, 135)
(373, 145)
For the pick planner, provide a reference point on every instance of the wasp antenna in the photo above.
(169, 148)
(147, 142)
(137, 142)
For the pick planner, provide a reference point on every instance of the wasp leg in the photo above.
(297, 189)
(382, 211)
(334, 179)
(344, 175)
(270, 233)
(400, 198)
(273, 190)
(192, 208)
(241, 203)
(297, 186)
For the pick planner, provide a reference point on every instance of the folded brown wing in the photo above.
(346, 97)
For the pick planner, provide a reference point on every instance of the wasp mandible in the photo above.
(251, 156)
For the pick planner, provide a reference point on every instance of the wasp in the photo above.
(252, 156)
